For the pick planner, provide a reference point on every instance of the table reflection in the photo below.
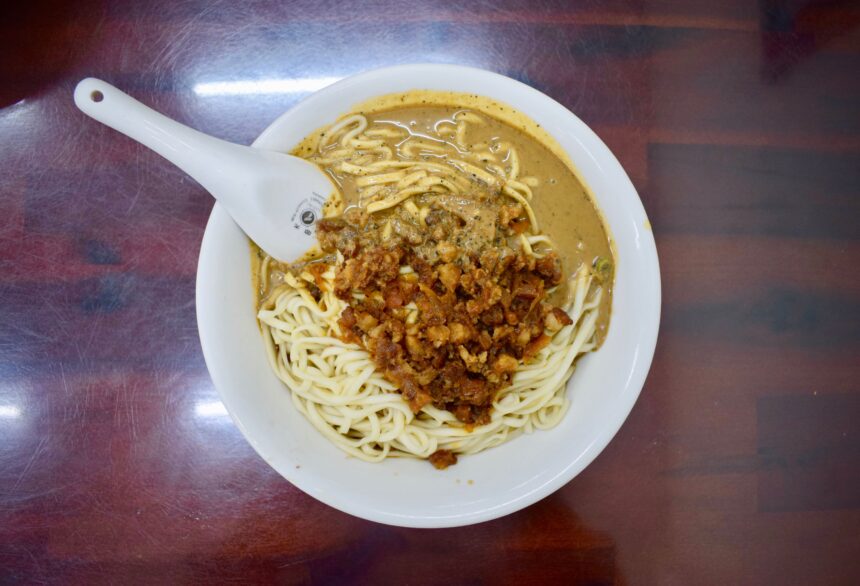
(242, 87)
(210, 409)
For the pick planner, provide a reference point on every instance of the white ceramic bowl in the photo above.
(481, 487)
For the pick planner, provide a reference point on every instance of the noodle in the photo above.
(335, 384)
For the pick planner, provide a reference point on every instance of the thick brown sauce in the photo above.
(561, 204)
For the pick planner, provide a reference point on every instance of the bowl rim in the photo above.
(637, 378)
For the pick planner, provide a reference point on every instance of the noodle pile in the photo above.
(335, 384)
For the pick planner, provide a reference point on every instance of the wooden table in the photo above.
(739, 123)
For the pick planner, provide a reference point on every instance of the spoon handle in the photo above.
(192, 151)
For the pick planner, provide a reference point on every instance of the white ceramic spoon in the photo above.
(275, 198)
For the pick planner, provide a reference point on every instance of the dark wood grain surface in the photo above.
(739, 123)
